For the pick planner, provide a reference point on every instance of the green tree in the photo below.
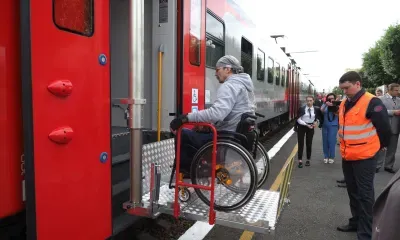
(372, 68)
(390, 51)
(366, 82)
(337, 91)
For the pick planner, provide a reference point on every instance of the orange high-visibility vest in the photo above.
(358, 137)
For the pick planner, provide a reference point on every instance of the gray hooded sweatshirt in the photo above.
(234, 97)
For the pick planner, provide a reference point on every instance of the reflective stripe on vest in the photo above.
(358, 137)
(357, 128)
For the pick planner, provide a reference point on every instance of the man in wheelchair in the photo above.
(235, 97)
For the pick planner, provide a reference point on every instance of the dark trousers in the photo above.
(359, 177)
(191, 141)
(309, 134)
(391, 151)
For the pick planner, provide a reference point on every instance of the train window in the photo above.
(215, 36)
(283, 77)
(287, 78)
(195, 32)
(270, 70)
(260, 65)
(77, 17)
(247, 56)
(278, 74)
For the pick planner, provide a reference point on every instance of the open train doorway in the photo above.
(151, 55)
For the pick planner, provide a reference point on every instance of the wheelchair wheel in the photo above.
(262, 164)
(236, 175)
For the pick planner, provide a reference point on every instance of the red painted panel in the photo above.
(10, 111)
(72, 185)
(193, 75)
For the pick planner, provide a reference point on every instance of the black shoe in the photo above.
(342, 185)
(347, 228)
(341, 181)
(300, 164)
(307, 163)
(377, 170)
(389, 170)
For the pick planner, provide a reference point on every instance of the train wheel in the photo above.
(236, 181)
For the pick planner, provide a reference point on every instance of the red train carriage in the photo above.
(68, 67)
(11, 160)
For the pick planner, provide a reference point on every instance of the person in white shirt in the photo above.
(308, 118)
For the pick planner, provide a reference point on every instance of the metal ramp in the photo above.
(259, 215)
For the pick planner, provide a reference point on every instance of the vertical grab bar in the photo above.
(160, 68)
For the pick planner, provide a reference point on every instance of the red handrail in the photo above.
(178, 183)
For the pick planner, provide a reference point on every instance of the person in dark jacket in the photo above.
(364, 129)
(386, 212)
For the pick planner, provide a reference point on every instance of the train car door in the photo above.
(66, 117)
(191, 55)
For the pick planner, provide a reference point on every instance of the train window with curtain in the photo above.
(195, 32)
(283, 77)
(260, 65)
(215, 39)
(270, 70)
(76, 17)
(277, 74)
(247, 56)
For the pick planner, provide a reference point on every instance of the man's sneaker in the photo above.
(325, 160)
(307, 163)
(331, 160)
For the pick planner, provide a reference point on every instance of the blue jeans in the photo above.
(329, 140)
(195, 139)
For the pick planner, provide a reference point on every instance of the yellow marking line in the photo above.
(280, 176)
(247, 235)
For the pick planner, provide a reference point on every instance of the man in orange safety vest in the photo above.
(364, 129)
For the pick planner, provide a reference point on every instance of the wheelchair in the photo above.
(237, 162)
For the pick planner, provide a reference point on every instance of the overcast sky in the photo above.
(340, 30)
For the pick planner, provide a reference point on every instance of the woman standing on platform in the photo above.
(309, 117)
(329, 128)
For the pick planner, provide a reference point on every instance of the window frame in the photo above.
(72, 30)
(263, 76)
(273, 71)
(278, 66)
(283, 76)
(197, 64)
(213, 38)
(251, 57)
